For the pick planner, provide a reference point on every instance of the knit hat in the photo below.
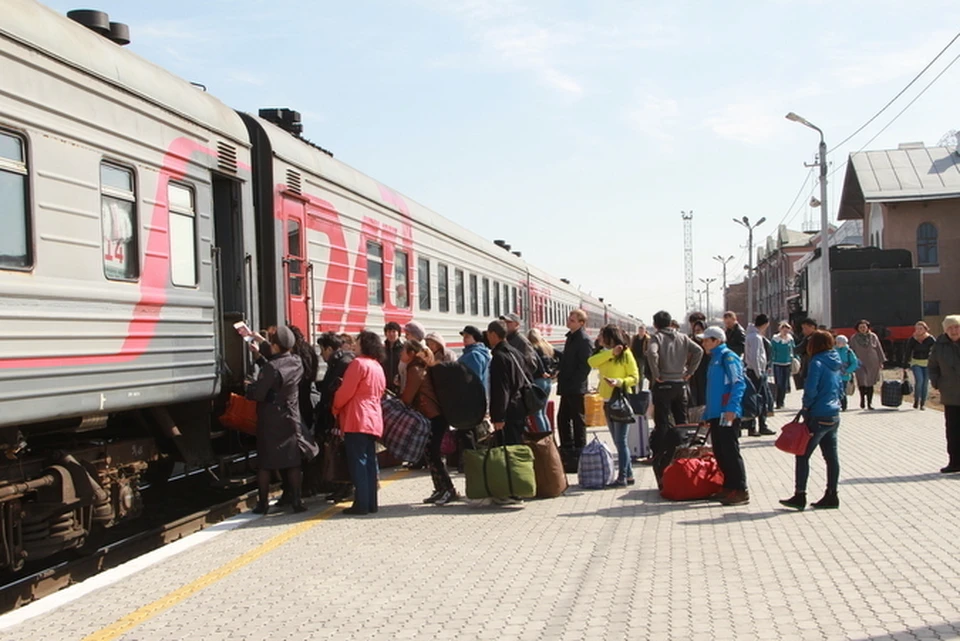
(415, 330)
(284, 337)
(950, 321)
(841, 340)
(437, 338)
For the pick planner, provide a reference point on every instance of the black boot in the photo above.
(262, 508)
(830, 501)
(297, 502)
(798, 501)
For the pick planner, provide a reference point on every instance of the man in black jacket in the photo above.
(572, 383)
(807, 327)
(507, 411)
(736, 336)
(528, 356)
(392, 348)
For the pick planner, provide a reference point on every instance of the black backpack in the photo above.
(460, 393)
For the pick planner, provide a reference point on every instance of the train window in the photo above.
(496, 299)
(486, 297)
(443, 285)
(374, 273)
(458, 291)
(423, 283)
(927, 246)
(183, 235)
(474, 303)
(293, 259)
(401, 262)
(118, 212)
(15, 242)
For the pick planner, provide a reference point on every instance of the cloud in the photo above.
(653, 116)
(754, 121)
(881, 62)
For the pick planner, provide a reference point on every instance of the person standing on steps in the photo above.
(944, 367)
(822, 391)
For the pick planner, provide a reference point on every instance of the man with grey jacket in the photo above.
(672, 358)
(755, 362)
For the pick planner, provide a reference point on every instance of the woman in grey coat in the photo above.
(866, 345)
(944, 368)
(281, 444)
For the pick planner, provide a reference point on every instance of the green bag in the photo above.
(500, 472)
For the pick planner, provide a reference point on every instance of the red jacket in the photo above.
(357, 401)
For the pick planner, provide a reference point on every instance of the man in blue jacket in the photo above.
(725, 388)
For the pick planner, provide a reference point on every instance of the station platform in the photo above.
(603, 564)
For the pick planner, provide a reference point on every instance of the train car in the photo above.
(143, 219)
(880, 285)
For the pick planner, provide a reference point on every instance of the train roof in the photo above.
(55, 35)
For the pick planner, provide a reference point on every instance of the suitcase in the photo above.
(500, 472)
(638, 439)
(891, 393)
(547, 465)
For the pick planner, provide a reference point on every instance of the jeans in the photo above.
(726, 449)
(438, 468)
(920, 380)
(362, 462)
(571, 422)
(543, 425)
(619, 432)
(823, 433)
(781, 376)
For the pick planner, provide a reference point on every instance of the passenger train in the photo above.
(142, 219)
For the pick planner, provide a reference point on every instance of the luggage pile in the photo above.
(692, 473)
(533, 469)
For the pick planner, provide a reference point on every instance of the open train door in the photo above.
(296, 266)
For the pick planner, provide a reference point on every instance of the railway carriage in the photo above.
(143, 217)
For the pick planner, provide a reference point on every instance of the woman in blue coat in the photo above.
(821, 407)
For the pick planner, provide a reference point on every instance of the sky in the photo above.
(579, 130)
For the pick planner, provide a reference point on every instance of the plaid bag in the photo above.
(596, 469)
(405, 431)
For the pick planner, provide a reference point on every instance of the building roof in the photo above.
(891, 175)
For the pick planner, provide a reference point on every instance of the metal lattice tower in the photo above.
(688, 259)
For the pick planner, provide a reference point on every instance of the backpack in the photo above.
(750, 405)
(460, 394)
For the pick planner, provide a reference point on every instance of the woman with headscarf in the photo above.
(280, 441)
(866, 345)
(439, 348)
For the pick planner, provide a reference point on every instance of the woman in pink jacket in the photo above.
(356, 405)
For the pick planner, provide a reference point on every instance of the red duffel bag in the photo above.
(688, 479)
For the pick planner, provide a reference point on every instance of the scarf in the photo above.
(863, 340)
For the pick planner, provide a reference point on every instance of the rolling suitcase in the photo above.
(891, 393)
(638, 439)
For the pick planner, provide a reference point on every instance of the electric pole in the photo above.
(723, 261)
(688, 258)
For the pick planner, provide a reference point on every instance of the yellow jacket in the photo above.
(625, 370)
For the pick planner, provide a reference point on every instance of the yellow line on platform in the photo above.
(147, 612)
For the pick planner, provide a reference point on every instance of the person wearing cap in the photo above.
(392, 347)
(476, 355)
(414, 331)
(726, 384)
(531, 363)
(507, 411)
(755, 360)
(280, 441)
(439, 348)
(944, 369)
(783, 347)
(848, 365)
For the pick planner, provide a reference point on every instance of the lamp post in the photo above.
(745, 222)
(706, 285)
(724, 262)
(699, 293)
(824, 224)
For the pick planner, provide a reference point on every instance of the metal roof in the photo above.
(891, 175)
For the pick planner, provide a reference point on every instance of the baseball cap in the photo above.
(474, 332)
(510, 318)
(714, 333)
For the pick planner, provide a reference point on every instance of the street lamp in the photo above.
(724, 262)
(706, 285)
(824, 224)
(745, 222)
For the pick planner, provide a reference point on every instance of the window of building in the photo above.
(474, 301)
(515, 304)
(506, 299)
(486, 297)
(400, 284)
(118, 212)
(931, 308)
(927, 245)
(15, 241)
(496, 299)
(423, 283)
(374, 273)
(458, 291)
(183, 235)
(443, 287)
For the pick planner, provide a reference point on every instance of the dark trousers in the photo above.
(512, 432)
(362, 462)
(726, 449)
(866, 395)
(438, 469)
(951, 415)
(571, 422)
(760, 383)
(781, 376)
(669, 410)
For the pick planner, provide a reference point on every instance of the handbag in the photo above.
(240, 415)
(534, 399)
(639, 401)
(334, 465)
(794, 437)
(794, 366)
(905, 385)
(448, 444)
(618, 408)
(851, 387)
(405, 431)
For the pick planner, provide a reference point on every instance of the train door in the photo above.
(232, 272)
(296, 266)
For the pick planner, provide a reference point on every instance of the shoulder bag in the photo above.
(534, 398)
(618, 408)
(794, 437)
